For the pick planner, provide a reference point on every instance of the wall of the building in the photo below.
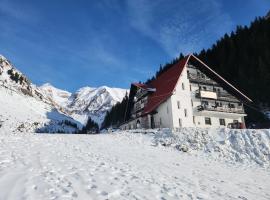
(200, 120)
(182, 95)
(163, 117)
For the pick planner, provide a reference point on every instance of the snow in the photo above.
(24, 113)
(124, 165)
(241, 146)
(85, 102)
(60, 97)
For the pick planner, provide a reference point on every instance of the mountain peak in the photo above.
(2, 57)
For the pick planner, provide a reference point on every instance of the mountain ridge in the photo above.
(86, 102)
(55, 105)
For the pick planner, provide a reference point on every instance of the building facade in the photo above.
(189, 94)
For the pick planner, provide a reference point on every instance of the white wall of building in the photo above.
(163, 117)
(182, 94)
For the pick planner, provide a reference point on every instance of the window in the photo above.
(194, 120)
(235, 121)
(178, 104)
(183, 86)
(205, 103)
(191, 102)
(180, 122)
(185, 111)
(231, 105)
(218, 104)
(190, 88)
(208, 120)
(222, 122)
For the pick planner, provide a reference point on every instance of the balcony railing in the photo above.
(224, 96)
(220, 109)
(198, 79)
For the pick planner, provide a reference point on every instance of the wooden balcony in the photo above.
(238, 110)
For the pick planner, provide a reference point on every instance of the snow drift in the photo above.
(241, 146)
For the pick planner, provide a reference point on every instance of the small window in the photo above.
(185, 111)
(222, 122)
(193, 119)
(190, 88)
(178, 104)
(183, 86)
(191, 102)
(180, 122)
(231, 105)
(235, 121)
(205, 103)
(208, 120)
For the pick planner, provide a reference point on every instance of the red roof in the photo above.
(165, 85)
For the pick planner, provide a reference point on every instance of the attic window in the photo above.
(183, 86)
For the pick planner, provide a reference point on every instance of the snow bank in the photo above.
(242, 146)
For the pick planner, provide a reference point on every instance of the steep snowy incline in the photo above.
(22, 113)
(24, 108)
(120, 167)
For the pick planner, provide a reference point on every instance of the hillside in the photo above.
(24, 108)
(243, 57)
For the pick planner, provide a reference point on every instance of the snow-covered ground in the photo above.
(129, 165)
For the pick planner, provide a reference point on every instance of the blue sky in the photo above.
(72, 44)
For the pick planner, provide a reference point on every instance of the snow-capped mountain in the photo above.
(85, 102)
(24, 108)
(48, 106)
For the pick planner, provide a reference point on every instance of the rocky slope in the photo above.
(24, 108)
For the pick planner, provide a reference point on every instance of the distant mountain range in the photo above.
(26, 107)
(85, 102)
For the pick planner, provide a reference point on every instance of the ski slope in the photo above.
(119, 166)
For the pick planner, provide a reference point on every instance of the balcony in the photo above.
(238, 110)
(199, 79)
(222, 96)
